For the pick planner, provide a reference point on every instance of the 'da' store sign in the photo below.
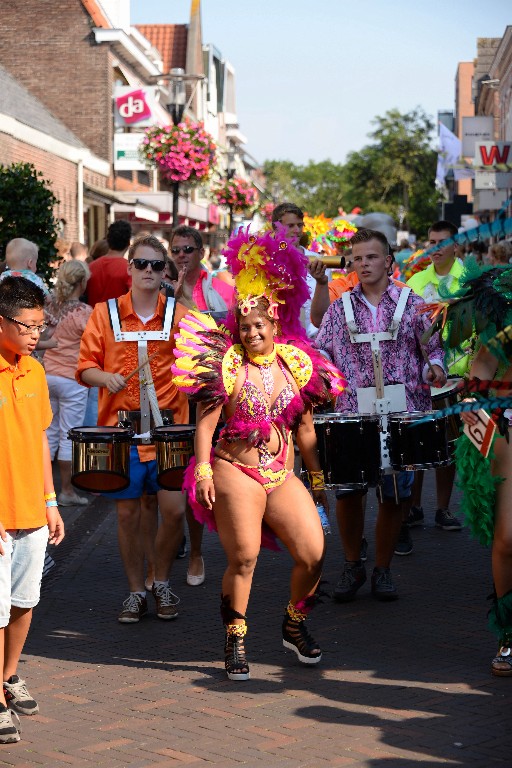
(134, 107)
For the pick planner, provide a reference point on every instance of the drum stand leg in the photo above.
(395, 488)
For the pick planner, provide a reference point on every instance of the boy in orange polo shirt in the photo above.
(29, 517)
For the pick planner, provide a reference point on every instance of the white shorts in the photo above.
(68, 400)
(21, 569)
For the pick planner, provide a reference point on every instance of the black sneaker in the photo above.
(182, 551)
(446, 521)
(363, 556)
(18, 697)
(352, 578)
(415, 517)
(383, 587)
(9, 732)
(404, 545)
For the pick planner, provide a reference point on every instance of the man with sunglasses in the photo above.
(120, 335)
(206, 292)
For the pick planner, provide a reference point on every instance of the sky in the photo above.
(311, 76)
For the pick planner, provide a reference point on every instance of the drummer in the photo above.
(108, 353)
(373, 334)
(445, 269)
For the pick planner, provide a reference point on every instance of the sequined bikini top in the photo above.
(253, 406)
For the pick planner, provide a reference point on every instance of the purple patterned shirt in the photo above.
(402, 360)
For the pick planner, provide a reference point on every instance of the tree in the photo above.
(397, 169)
(316, 187)
(27, 210)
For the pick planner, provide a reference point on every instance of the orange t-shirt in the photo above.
(342, 284)
(98, 349)
(25, 413)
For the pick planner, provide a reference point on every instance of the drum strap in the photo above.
(148, 398)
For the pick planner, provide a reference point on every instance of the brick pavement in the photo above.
(400, 684)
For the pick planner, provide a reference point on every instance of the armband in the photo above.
(203, 471)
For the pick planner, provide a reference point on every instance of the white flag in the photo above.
(450, 150)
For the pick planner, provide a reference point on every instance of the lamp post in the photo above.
(230, 172)
(176, 109)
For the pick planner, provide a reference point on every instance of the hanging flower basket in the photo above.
(183, 152)
(237, 193)
(266, 211)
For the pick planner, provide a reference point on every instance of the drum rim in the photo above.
(175, 430)
(323, 417)
(99, 472)
(405, 415)
(117, 435)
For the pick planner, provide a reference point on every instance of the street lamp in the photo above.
(230, 172)
(176, 108)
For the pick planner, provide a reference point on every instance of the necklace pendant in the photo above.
(268, 379)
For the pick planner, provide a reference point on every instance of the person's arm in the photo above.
(206, 423)
(94, 377)
(320, 300)
(91, 361)
(484, 367)
(53, 518)
(434, 372)
(308, 447)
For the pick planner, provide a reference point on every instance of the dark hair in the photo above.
(19, 293)
(99, 248)
(283, 208)
(184, 231)
(215, 261)
(119, 235)
(365, 235)
(151, 242)
(262, 305)
(443, 226)
(172, 269)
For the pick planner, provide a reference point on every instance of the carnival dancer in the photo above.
(267, 386)
(121, 335)
(374, 333)
(484, 302)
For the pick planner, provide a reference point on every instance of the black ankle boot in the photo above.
(235, 660)
(297, 638)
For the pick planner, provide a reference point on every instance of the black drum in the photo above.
(443, 397)
(100, 458)
(349, 449)
(411, 446)
(174, 446)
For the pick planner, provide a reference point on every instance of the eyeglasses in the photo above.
(157, 265)
(188, 249)
(30, 328)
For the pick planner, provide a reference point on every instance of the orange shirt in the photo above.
(342, 284)
(24, 415)
(98, 349)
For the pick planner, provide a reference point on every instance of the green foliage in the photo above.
(27, 210)
(315, 187)
(396, 169)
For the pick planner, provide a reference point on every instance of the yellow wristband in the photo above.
(317, 481)
(49, 496)
(203, 471)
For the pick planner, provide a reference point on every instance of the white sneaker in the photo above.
(72, 500)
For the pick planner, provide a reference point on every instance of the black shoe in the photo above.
(235, 659)
(382, 585)
(182, 551)
(297, 638)
(446, 521)
(363, 556)
(352, 578)
(404, 545)
(415, 517)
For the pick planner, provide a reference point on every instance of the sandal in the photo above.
(235, 660)
(297, 638)
(501, 665)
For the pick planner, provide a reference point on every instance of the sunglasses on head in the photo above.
(157, 265)
(188, 249)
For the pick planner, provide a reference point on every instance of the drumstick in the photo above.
(425, 357)
(139, 367)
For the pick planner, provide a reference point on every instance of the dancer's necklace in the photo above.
(264, 363)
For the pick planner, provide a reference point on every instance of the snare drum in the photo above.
(132, 420)
(100, 458)
(349, 449)
(174, 446)
(423, 446)
(443, 397)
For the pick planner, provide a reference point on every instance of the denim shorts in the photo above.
(21, 569)
(142, 478)
(404, 481)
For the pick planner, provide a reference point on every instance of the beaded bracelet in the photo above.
(49, 496)
(317, 481)
(52, 503)
(203, 471)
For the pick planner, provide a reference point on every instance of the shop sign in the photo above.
(134, 106)
(126, 152)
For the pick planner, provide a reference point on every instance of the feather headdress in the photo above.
(267, 265)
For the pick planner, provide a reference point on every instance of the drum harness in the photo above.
(148, 399)
(381, 399)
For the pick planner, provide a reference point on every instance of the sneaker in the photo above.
(134, 608)
(404, 545)
(166, 602)
(352, 578)
(18, 697)
(383, 587)
(72, 500)
(9, 732)
(363, 555)
(182, 551)
(446, 521)
(415, 517)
